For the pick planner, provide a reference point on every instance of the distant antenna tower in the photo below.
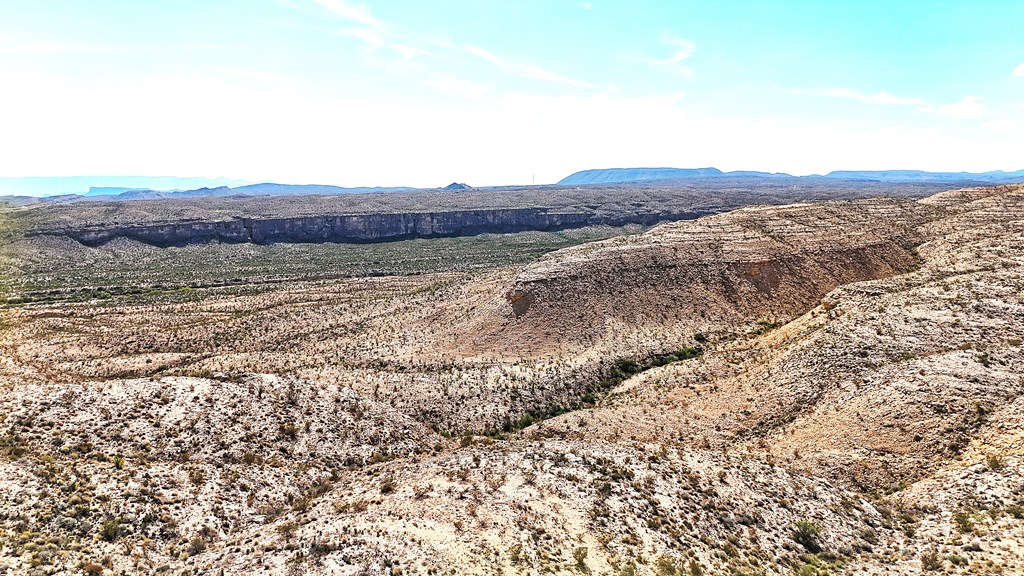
(533, 177)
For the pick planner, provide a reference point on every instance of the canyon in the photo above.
(811, 388)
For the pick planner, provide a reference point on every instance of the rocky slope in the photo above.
(908, 386)
(175, 462)
(749, 265)
(856, 408)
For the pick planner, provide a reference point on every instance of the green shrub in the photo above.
(12, 446)
(963, 522)
(667, 566)
(806, 533)
(110, 529)
(287, 530)
(994, 462)
(957, 560)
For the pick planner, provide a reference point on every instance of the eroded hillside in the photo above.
(718, 272)
(811, 389)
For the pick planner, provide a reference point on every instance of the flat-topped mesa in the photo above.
(349, 228)
(363, 227)
(729, 269)
(380, 217)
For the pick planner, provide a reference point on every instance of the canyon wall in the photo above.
(363, 227)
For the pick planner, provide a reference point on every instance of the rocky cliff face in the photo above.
(397, 215)
(363, 227)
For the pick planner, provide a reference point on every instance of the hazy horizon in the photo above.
(42, 186)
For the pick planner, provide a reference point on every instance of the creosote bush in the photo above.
(110, 529)
(963, 522)
(806, 534)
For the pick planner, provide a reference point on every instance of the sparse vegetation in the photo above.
(806, 534)
(994, 462)
(196, 546)
(931, 561)
(110, 529)
(372, 421)
(964, 522)
(580, 555)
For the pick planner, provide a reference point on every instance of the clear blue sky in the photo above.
(424, 92)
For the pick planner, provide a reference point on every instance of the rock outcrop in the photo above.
(364, 227)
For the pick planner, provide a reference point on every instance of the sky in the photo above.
(427, 92)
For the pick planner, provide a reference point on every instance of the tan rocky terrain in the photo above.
(810, 389)
(720, 271)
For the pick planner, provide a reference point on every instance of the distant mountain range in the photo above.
(624, 175)
(33, 190)
(271, 189)
(997, 176)
(103, 185)
(629, 175)
(98, 193)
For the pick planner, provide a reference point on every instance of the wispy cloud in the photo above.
(682, 50)
(685, 49)
(522, 69)
(968, 107)
(1019, 70)
(373, 32)
(883, 98)
(357, 13)
(368, 36)
(376, 34)
(407, 53)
